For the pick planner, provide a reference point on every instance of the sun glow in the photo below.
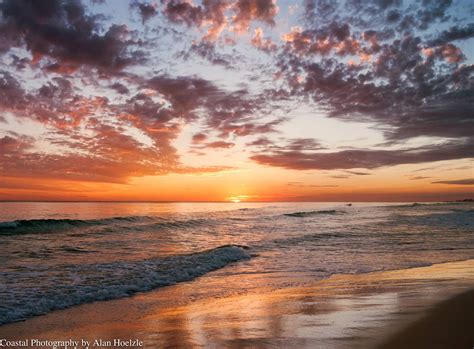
(238, 198)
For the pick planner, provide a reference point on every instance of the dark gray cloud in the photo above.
(145, 10)
(120, 88)
(207, 51)
(63, 32)
(12, 96)
(453, 34)
(468, 181)
(293, 144)
(415, 178)
(357, 173)
(364, 158)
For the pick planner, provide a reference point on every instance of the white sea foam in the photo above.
(39, 291)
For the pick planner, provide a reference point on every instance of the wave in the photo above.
(72, 249)
(461, 210)
(311, 213)
(40, 226)
(188, 223)
(71, 285)
(302, 239)
(444, 203)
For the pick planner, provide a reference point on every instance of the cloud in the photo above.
(303, 144)
(112, 158)
(468, 181)
(10, 146)
(334, 38)
(106, 141)
(112, 140)
(120, 88)
(415, 178)
(211, 15)
(431, 11)
(250, 10)
(219, 145)
(65, 36)
(199, 138)
(454, 33)
(71, 72)
(363, 158)
(12, 95)
(261, 142)
(358, 68)
(358, 173)
(261, 43)
(107, 156)
(292, 144)
(228, 112)
(207, 50)
(146, 10)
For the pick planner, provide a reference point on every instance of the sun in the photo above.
(237, 198)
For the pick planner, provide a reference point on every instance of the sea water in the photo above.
(57, 255)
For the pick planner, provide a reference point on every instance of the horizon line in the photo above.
(227, 202)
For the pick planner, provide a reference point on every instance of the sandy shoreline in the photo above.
(449, 324)
(391, 309)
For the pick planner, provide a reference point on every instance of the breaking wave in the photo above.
(22, 296)
(311, 213)
(41, 226)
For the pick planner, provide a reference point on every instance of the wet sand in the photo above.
(449, 324)
(391, 309)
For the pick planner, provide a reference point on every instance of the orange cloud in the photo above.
(261, 43)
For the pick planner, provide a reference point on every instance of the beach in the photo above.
(389, 309)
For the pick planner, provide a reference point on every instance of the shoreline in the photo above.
(448, 324)
(343, 311)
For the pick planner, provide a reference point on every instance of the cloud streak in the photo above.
(468, 181)
(363, 158)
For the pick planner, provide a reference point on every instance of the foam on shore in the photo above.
(41, 290)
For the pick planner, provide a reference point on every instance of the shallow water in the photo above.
(54, 255)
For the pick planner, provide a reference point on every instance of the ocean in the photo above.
(57, 255)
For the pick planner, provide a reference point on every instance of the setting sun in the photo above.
(238, 198)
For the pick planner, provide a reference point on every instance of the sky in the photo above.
(236, 100)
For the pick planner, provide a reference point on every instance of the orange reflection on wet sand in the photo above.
(355, 311)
